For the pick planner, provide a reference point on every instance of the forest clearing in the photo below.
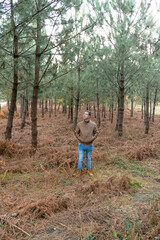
(41, 199)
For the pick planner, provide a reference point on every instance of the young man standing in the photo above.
(86, 132)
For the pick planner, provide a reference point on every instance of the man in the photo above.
(86, 132)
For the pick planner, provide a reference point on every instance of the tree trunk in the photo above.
(98, 110)
(142, 110)
(87, 108)
(147, 110)
(132, 101)
(150, 117)
(50, 108)
(55, 106)
(59, 106)
(77, 98)
(23, 118)
(116, 128)
(154, 104)
(22, 104)
(112, 111)
(121, 101)
(8, 105)
(8, 133)
(94, 111)
(103, 111)
(71, 105)
(46, 105)
(69, 111)
(36, 79)
(40, 103)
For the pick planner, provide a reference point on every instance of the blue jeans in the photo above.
(81, 150)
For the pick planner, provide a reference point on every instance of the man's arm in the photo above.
(77, 132)
(95, 132)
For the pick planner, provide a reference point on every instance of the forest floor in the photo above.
(41, 199)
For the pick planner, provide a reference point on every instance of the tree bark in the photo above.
(147, 110)
(23, 118)
(94, 111)
(36, 79)
(55, 106)
(150, 117)
(98, 110)
(116, 128)
(71, 107)
(8, 133)
(142, 110)
(154, 104)
(50, 108)
(46, 105)
(121, 101)
(77, 97)
(42, 105)
(8, 105)
(112, 111)
(132, 101)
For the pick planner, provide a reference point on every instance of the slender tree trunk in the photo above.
(121, 101)
(50, 108)
(27, 103)
(147, 110)
(36, 79)
(46, 105)
(132, 101)
(154, 104)
(64, 107)
(94, 111)
(150, 117)
(71, 107)
(23, 118)
(59, 106)
(55, 106)
(142, 110)
(8, 133)
(8, 105)
(98, 110)
(104, 111)
(42, 105)
(22, 103)
(0, 108)
(109, 112)
(112, 111)
(77, 98)
(116, 128)
(69, 112)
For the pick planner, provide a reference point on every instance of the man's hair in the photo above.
(89, 112)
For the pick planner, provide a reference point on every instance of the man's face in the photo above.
(86, 116)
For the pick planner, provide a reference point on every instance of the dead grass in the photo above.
(113, 186)
(43, 208)
(31, 181)
(143, 152)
